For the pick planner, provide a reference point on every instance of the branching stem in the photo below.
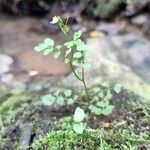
(82, 79)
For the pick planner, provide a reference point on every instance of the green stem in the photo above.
(72, 68)
(83, 76)
(83, 80)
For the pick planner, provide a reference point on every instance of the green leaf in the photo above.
(48, 100)
(102, 104)
(79, 114)
(78, 128)
(101, 94)
(58, 47)
(95, 98)
(98, 111)
(108, 110)
(87, 66)
(49, 41)
(82, 47)
(76, 63)
(57, 54)
(68, 52)
(70, 101)
(78, 42)
(95, 110)
(37, 49)
(96, 89)
(66, 61)
(87, 54)
(91, 106)
(77, 35)
(68, 93)
(76, 97)
(105, 84)
(41, 47)
(117, 88)
(60, 100)
(47, 51)
(77, 55)
(69, 44)
(108, 95)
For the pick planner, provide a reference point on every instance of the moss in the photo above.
(104, 8)
(130, 131)
(10, 101)
(120, 137)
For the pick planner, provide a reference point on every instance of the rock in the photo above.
(140, 20)
(135, 6)
(5, 62)
(146, 27)
(7, 78)
(109, 28)
(44, 65)
(108, 64)
(134, 52)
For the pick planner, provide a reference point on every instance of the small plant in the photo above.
(60, 98)
(101, 97)
(76, 50)
(76, 55)
(78, 125)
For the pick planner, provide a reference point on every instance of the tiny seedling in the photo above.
(78, 125)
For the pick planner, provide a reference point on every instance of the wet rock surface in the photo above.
(109, 28)
(134, 7)
(135, 52)
(141, 19)
(18, 38)
(122, 58)
(18, 61)
(5, 62)
(113, 54)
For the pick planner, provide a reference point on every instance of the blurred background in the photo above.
(117, 32)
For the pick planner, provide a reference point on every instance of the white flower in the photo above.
(79, 115)
(55, 20)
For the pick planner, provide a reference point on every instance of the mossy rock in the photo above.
(120, 137)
